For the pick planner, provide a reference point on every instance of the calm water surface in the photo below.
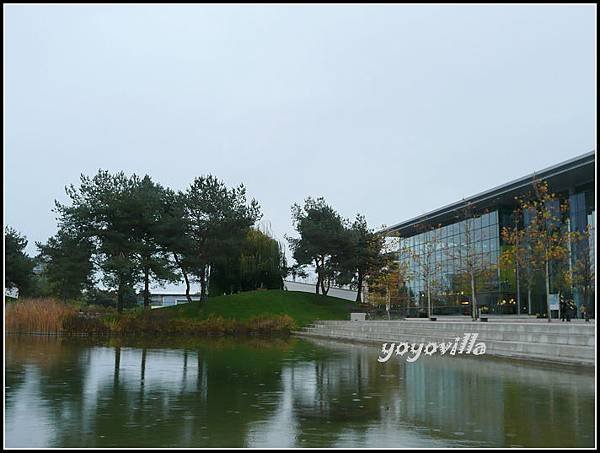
(283, 393)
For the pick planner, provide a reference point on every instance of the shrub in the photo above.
(98, 310)
(270, 324)
(75, 324)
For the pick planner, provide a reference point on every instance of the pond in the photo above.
(62, 392)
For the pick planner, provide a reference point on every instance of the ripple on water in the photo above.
(322, 394)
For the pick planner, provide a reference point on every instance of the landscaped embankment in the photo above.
(266, 312)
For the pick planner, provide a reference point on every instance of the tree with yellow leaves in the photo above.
(386, 283)
(546, 230)
(517, 256)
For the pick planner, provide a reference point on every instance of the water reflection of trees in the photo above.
(294, 393)
(186, 397)
(59, 369)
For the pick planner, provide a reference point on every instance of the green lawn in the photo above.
(304, 308)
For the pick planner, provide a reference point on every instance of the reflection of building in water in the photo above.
(449, 396)
(497, 400)
(486, 400)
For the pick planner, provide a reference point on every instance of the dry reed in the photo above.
(42, 316)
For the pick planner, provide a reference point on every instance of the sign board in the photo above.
(12, 292)
(357, 316)
(553, 301)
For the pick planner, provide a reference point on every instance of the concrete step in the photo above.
(540, 351)
(446, 336)
(544, 356)
(493, 347)
(399, 332)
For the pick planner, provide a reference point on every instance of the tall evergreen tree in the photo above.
(18, 265)
(176, 237)
(148, 212)
(218, 219)
(323, 236)
(118, 214)
(67, 263)
(362, 254)
(101, 210)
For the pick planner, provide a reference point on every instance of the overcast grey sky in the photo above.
(389, 110)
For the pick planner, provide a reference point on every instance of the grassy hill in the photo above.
(303, 307)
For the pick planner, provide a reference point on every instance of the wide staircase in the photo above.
(555, 342)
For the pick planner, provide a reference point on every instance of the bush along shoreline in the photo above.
(50, 317)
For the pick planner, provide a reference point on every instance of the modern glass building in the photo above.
(436, 242)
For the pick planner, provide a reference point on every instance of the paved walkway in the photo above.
(505, 319)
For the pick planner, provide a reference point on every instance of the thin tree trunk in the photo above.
(517, 276)
(187, 287)
(120, 298)
(146, 288)
(359, 290)
(529, 298)
(388, 304)
(185, 278)
(203, 283)
(473, 297)
(318, 282)
(143, 365)
(318, 268)
(208, 272)
(407, 299)
(428, 300)
(117, 366)
(549, 313)
(518, 290)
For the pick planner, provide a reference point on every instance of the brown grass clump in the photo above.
(270, 324)
(44, 315)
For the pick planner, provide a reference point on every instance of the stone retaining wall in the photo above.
(555, 343)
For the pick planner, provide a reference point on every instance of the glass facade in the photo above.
(582, 216)
(452, 250)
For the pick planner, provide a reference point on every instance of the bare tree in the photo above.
(427, 263)
(471, 262)
(583, 272)
(518, 255)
